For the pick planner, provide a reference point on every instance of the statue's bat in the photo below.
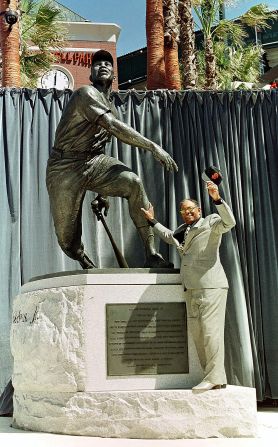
(120, 258)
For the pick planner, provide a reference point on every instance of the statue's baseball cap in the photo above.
(212, 174)
(102, 55)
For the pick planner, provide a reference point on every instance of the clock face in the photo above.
(55, 79)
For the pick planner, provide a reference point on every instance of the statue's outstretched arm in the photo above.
(130, 136)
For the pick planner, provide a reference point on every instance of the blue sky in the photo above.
(130, 16)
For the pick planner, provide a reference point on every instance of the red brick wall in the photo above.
(79, 64)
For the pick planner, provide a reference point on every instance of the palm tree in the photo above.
(171, 39)
(187, 45)
(9, 37)
(226, 31)
(40, 27)
(156, 77)
(234, 66)
(206, 11)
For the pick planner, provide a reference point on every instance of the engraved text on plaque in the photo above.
(146, 338)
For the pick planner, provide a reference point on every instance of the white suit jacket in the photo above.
(200, 262)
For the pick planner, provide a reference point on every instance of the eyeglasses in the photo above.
(188, 210)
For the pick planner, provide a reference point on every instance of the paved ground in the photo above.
(267, 437)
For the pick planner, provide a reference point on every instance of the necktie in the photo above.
(185, 234)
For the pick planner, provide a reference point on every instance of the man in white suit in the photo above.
(204, 280)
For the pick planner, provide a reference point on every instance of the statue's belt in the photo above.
(75, 155)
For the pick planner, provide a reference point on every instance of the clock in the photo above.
(55, 78)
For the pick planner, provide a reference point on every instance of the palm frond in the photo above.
(259, 15)
(231, 31)
(207, 13)
(47, 14)
(28, 6)
(33, 66)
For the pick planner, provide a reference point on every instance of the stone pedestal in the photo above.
(105, 354)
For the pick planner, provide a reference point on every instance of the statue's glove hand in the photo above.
(164, 158)
(103, 202)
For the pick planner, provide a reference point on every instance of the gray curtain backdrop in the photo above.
(234, 131)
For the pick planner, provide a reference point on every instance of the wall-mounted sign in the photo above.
(74, 57)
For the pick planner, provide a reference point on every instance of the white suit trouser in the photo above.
(206, 321)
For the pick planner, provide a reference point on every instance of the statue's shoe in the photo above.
(86, 263)
(157, 261)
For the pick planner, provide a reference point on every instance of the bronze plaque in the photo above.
(146, 339)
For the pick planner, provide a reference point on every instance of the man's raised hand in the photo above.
(149, 213)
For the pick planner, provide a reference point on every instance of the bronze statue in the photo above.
(78, 163)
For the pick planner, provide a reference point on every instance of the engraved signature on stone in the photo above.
(20, 317)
